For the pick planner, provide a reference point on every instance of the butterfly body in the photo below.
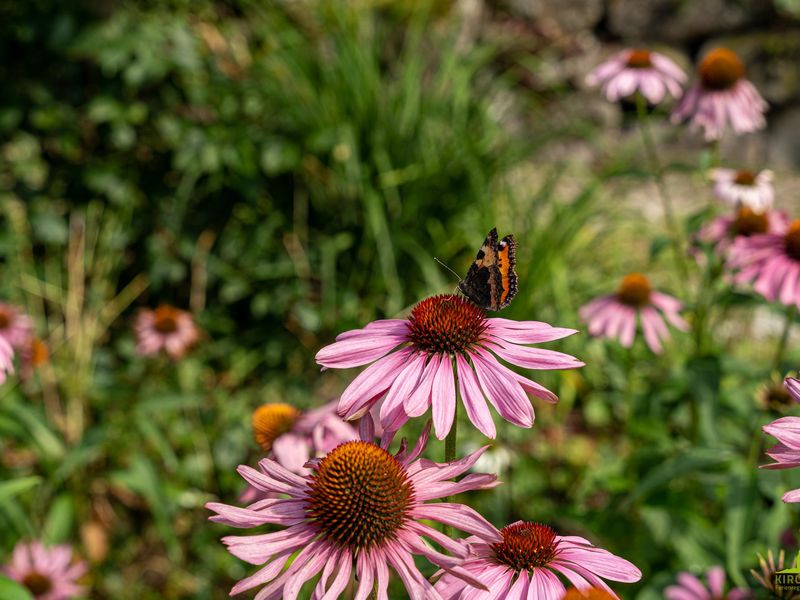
(491, 281)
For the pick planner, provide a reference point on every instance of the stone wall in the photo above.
(565, 38)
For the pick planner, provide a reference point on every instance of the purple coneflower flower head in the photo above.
(786, 453)
(722, 231)
(525, 562)
(48, 573)
(6, 360)
(690, 587)
(166, 328)
(15, 326)
(362, 512)
(614, 316)
(744, 188)
(771, 261)
(294, 436)
(721, 96)
(651, 74)
(414, 360)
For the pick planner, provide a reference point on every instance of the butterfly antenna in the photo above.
(446, 267)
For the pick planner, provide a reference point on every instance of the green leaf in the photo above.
(11, 590)
(15, 487)
(60, 520)
(695, 460)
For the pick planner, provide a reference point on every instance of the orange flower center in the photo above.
(590, 594)
(166, 319)
(446, 324)
(39, 352)
(745, 177)
(634, 290)
(37, 583)
(526, 546)
(792, 240)
(748, 222)
(721, 69)
(639, 59)
(360, 495)
(5, 318)
(270, 421)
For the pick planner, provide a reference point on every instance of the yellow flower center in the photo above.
(270, 421)
(360, 495)
(634, 290)
(721, 69)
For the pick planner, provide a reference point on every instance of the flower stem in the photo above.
(676, 237)
(791, 313)
(450, 453)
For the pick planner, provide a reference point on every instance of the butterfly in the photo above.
(491, 281)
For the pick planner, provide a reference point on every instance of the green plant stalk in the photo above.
(676, 237)
(450, 452)
(791, 313)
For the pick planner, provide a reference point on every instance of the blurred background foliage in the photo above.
(288, 171)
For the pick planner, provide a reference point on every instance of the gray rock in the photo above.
(569, 15)
(683, 20)
(783, 146)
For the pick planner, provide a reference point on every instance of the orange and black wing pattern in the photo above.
(491, 281)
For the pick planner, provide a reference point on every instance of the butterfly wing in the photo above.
(483, 282)
(506, 266)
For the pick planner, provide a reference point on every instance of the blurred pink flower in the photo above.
(15, 326)
(744, 188)
(362, 511)
(722, 231)
(6, 360)
(524, 564)
(786, 430)
(771, 261)
(691, 588)
(722, 96)
(294, 436)
(165, 328)
(413, 362)
(48, 573)
(614, 316)
(650, 73)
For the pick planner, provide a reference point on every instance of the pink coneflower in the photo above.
(786, 430)
(165, 328)
(771, 261)
(361, 511)
(48, 573)
(614, 316)
(6, 360)
(294, 436)
(15, 326)
(651, 74)
(722, 96)
(691, 588)
(524, 562)
(744, 188)
(722, 231)
(414, 360)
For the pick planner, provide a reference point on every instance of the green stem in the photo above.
(676, 237)
(450, 453)
(791, 313)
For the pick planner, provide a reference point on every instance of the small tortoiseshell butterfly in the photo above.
(491, 281)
